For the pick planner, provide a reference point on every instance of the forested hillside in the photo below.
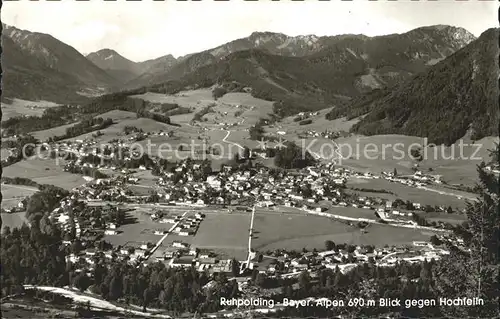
(456, 95)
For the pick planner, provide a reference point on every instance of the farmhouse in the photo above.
(111, 232)
(181, 262)
(186, 232)
(179, 244)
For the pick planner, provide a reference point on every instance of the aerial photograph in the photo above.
(250, 159)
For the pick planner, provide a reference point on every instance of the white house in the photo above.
(110, 232)
(180, 244)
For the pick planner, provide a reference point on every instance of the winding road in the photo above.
(229, 142)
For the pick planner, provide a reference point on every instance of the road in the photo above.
(425, 188)
(229, 142)
(250, 235)
(158, 244)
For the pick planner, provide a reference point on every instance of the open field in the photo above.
(454, 219)
(413, 194)
(145, 178)
(14, 219)
(319, 124)
(4, 153)
(456, 164)
(138, 233)
(13, 194)
(251, 108)
(297, 231)
(224, 233)
(44, 171)
(123, 119)
(19, 107)
(51, 132)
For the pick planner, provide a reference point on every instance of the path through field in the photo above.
(229, 142)
(164, 236)
(94, 302)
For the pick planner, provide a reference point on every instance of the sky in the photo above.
(149, 29)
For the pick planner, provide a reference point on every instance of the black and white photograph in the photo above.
(249, 159)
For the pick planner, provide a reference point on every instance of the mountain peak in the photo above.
(115, 64)
(444, 102)
(105, 52)
(456, 33)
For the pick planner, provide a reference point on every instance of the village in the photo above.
(183, 193)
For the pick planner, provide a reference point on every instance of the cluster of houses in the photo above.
(256, 184)
(305, 115)
(184, 226)
(62, 216)
(105, 190)
(286, 264)
(332, 135)
(20, 207)
(418, 179)
(201, 260)
(189, 183)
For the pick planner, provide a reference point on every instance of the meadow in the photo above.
(226, 234)
(44, 171)
(141, 231)
(296, 231)
(19, 107)
(13, 220)
(13, 194)
(4, 153)
(456, 164)
(412, 194)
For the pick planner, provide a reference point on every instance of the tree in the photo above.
(145, 299)
(256, 132)
(474, 273)
(255, 272)
(495, 154)
(235, 267)
(415, 154)
(428, 209)
(82, 282)
(395, 172)
(235, 290)
(329, 245)
(261, 280)
(435, 240)
(304, 281)
(307, 190)
(246, 152)
(292, 156)
(218, 92)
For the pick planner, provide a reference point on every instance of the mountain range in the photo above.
(411, 51)
(387, 78)
(126, 70)
(459, 95)
(377, 61)
(38, 66)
